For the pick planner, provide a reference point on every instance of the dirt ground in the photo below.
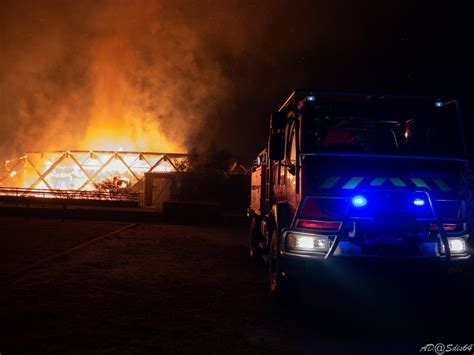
(160, 288)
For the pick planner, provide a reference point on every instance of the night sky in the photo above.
(211, 72)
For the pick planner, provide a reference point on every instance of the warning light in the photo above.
(359, 201)
(311, 98)
(418, 202)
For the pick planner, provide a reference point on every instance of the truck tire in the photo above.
(281, 287)
(255, 253)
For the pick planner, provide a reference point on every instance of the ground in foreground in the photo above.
(169, 288)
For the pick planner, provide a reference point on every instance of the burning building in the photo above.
(82, 171)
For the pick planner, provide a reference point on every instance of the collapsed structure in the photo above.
(78, 170)
(146, 179)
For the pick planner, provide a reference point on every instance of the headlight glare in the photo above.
(305, 242)
(457, 245)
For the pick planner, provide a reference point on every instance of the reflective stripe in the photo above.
(442, 185)
(352, 183)
(420, 183)
(329, 182)
(397, 182)
(378, 181)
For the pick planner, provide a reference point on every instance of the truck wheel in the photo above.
(255, 252)
(280, 286)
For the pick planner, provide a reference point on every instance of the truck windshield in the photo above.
(432, 130)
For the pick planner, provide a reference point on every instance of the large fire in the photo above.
(117, 149)
(87, 170)
(126, 85)
(116, 153)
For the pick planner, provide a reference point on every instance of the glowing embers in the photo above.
(84, 170)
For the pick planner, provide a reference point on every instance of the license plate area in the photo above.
(388, 245)
(391, 221)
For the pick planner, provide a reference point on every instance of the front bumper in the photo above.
(416, 270)
(428, 252)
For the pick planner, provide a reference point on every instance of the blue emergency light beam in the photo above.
(359, 201)
(418, 202)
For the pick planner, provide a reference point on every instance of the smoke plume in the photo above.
(173, 75)
(102, 75)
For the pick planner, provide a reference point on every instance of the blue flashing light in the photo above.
(418, 202)
(359, 201)
(311, 98)
(439, 104)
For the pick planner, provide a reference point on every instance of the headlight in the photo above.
(305, 242)
(457, 245)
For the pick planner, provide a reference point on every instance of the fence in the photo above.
(70, 194)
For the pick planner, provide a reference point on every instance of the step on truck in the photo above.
(356, 178)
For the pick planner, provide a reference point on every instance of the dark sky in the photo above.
(211, 71)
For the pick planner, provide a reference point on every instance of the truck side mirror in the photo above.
(278, 120)
(277, 146)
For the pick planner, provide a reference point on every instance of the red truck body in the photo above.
(360, 177)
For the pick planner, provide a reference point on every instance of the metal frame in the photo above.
(69, 194)
(177, 162)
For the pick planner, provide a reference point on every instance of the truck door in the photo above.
(278, 173)
(290, 168)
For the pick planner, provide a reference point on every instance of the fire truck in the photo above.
(357, 177)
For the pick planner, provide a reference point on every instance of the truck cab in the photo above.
(360, 177)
